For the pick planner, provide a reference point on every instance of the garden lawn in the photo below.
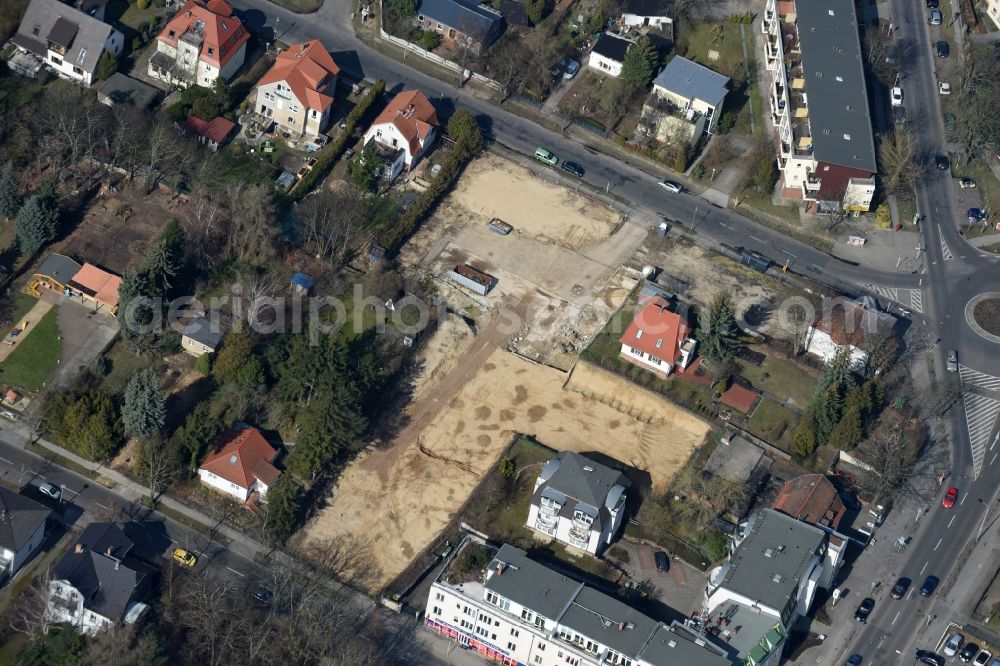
(711, 36)
(773, 422)
(34, 359)
(20, 304)
(122, 364)
(780, 379)
(986, 182)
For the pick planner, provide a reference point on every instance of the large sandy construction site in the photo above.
(562, 273)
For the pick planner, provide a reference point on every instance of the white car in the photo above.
(50, 489)
(944, 88)
(897, 96)
(954, 643)
(671, 186)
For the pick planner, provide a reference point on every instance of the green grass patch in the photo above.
(122, 364)
(986, 183)
(779, 378)
(773, 422)
(20, 304)
(785, 219)
(134, 16)
(706, 36)
(994, 248)
(36, 358)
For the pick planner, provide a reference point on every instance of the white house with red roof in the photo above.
(409, 123)
(204, 41)
(658, 339)
(298, 91)
(241, 465)
(212, 133)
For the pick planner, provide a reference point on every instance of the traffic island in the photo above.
(983, 315)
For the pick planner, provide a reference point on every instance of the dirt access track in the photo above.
(391, 503)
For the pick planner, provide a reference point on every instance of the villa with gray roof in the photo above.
(777, 565)
(578, 501)
(686, 101)
(98, 584)
(519, 612)
(69, 41)
(22, 530)
(819, 104)
(461, 22)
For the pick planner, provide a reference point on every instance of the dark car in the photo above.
(943, 50)
(573, 168)
(262, 595)
(853, 660)
(864, 609)
(901, 587)
(932, 4)
(976, 214)
(662, 561)
(930, 584)
(968, 652)
(850, 500)
(930, 658)
(942, 162)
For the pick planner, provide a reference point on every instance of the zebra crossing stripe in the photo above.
(980, 416)
(888, 292)
(945, 250)
(979, 379)
(917, 300)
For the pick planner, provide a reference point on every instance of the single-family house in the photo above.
(857, 324)
(98, 583)
(408, 122)
(211, 133)
(121, 89)
(658, 339)
(22, 530)
(461, 23)
(657, 14)
(608, 54)
(69, 41)
(777, 565)
(811, 498)
(202, 335)
(686, 101)
(204, 41)
(578, 501)
(96, 286)
(241, 465)
(298, 91)
(53, 274)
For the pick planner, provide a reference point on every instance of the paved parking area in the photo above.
(85, 334)
(682, 588)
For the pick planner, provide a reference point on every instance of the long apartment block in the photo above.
(516, 611)
(819, 104)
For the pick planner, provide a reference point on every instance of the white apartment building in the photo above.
(578, 501)
(523, 613)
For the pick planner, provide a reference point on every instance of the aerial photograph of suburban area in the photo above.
(526, 332)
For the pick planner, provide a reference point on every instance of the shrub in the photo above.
(142, 4)
(204, 364)
(430, 40)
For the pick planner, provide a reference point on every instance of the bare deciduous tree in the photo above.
(896, 156)
(891, 458)
(250, 238)
(29, 614)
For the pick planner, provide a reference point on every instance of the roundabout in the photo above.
(982, 313)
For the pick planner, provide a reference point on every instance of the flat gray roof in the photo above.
(771, 561)
(739, 628)
(735, 461)
(693, 81)
(609, 622)
(531, 584)
(678, 645)
(835, 84)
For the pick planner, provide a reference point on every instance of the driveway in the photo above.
(85, 334)
(682, 588)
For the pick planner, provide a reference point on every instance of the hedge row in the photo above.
(328, 157)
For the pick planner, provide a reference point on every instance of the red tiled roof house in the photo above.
(240, 464)
(658, 339)
(297, 92)
(204, 41)
(811, 498)
(212, 133)
(409, 124)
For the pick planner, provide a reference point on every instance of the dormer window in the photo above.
(211, 51)
(171, 33)
(35, 30)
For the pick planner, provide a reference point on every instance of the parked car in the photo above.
(573, 168)
(864, 609)
(977, 214)
(968, 652)
(897, 96)
(930, 658)
(262, 595)
(952, 365)
(930, 584)
(932, 4)
(942, 162)
(50, 489)
(950, 497)
(184, 558)
(983, 658)
(572, 67)
(935, 17)
(944, 88)
(671, 186)
(967, 183)
(662, 561)
(543, 155)
(850, 500)
(943, 50)
(901, 587)
(953, 645)
(854, 660)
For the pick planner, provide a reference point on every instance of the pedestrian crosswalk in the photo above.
(980, 415)
(917, 300)
(909, 299)
(978, 379)
(945, 251)
(888, 292)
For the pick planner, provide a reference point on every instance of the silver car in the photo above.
(50, 489)
(952, 365)
(935, 17)
(671, 186)
(954, 643)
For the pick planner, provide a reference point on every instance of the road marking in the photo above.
(236, 572)
(756, 239)
(994, 458)
(937, 544)
(102, 506)
(888, 292)
(880, 643)
(916, 300)
(945, 250)
(895, 618)
(980, 417)
(952, 520)
(977, 378)
(961, 501)
(922, 568)
(723, 224)
(7, 461)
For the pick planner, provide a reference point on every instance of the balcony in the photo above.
(790, 40)
(812, 183)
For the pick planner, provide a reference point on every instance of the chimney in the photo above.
(109, 551)
(500, 568)
(117, 564)
(79, 548)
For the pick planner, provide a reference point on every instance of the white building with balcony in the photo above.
(517, 611)
(578, 501)
(819, 104)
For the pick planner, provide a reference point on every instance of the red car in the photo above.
(950, 497)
